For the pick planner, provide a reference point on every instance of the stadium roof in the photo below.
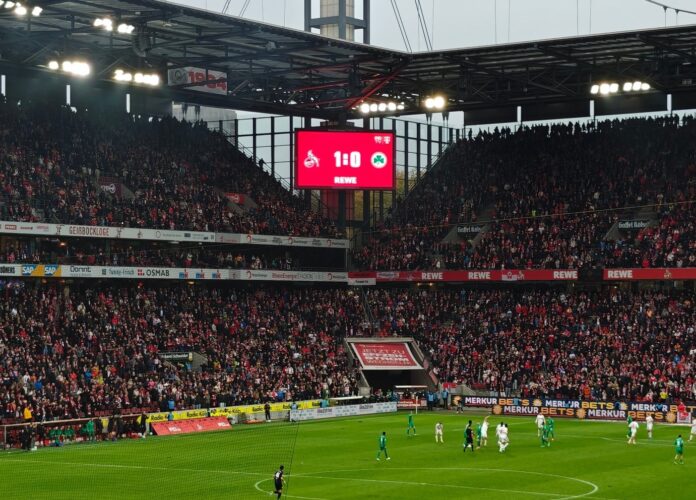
(286, 71)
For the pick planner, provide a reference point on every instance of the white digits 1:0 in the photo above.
(347, 159)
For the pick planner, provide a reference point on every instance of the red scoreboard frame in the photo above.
(345, 159)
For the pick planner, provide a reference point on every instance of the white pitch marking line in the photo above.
(258, 488)
(594, 487)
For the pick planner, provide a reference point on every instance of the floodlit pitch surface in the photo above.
(335, 459)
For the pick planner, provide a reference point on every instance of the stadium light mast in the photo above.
(337, 19)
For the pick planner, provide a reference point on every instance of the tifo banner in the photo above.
(583, 410)
(342, 411)
(385, 356)
(468, 276)
(188, 426)
(658, 273)
(134, 233)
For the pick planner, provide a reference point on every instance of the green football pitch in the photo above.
(335, 459)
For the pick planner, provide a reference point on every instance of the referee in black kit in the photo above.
(279, 481)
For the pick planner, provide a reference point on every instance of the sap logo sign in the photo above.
(565, 275)
(28, 270)
(431, 276)
(479, 275)
(50, 270)
(620, 273)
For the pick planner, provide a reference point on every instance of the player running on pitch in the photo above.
(279, 481)
(503, 438)
(679, 449)
(438, 432)
(649, 421)
(468, 437)
(484, 432)
(693, 429)
(478, 435)
(411, 425)
(552, 428)
(540, 422)
(383, 446)
(545, 432)
(633, 430)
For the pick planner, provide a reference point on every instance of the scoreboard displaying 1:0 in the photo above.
(344, 159)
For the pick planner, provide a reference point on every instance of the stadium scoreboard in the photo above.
(344, 159)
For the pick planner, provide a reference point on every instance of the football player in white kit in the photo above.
(484, 432)
(503, 439)
(633, 427)
(693, 430)
(438, 432)
(540, 422)
(649, 421)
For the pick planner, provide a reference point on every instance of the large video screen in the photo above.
(342, 159)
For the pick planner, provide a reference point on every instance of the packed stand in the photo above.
(68, 353)
(552, 194)
(157, 254)
(608, 345)
(52, 157)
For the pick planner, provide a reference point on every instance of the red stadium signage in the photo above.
(385, 356)
(659, 273)
(506, 275)
(344, 159)
(190, 426)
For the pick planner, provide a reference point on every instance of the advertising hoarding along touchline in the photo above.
(344, 159)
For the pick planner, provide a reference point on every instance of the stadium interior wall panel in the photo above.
(556, 111)
(629, 104)
(488, 116)
(684, 100)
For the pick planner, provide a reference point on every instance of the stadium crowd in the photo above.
(51, 159)
(550, 195)
(125, 253)
(77, 352)
(608, 345)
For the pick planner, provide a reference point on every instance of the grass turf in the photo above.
(335, 459)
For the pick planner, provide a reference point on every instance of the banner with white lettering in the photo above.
(658, 273)
(469, 276)
(385, 356)
(131, 233)
(583, 410)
